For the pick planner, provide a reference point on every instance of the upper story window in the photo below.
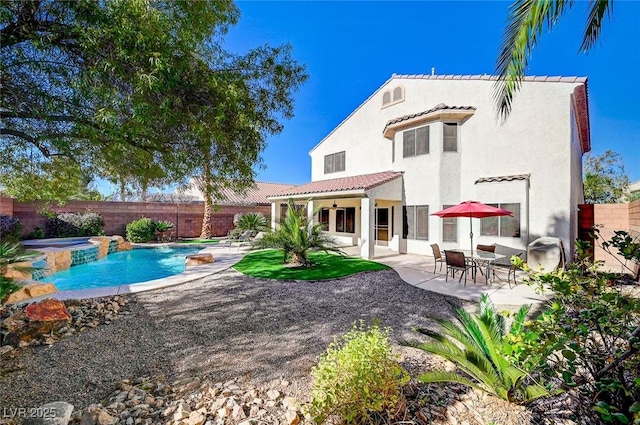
(334, 162)
(450, 137)
(391, 97)
(398, 94)
(415, 142)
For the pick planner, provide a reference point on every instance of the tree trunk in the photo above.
(206, 219)
(123, 190)
(207, 193)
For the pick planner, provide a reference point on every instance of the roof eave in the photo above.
(458, 115)
(320, 195)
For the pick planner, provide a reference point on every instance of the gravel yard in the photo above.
(225, 326)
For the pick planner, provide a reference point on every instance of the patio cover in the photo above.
(353, 186)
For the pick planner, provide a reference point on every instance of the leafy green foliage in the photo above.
(256, 222)
(626, 246)
(131, 83)
(162, 225)
(358, 378)
(525, 23)
(605, 181)
(141, 230)
(479, 347)
(588, 339)
(37, 233)
(10, 228)
(11, 254)
(297, 236)
(267, 264)
(74, 224)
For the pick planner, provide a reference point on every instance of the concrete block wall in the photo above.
(6, 206)
(609, 218)
(187, 218)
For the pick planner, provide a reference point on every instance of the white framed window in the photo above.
(450, 137)
(449, 228)
(398, 94)
(334, 162)
(386, 98)
(415, 222)
(391, 97)
(415, 142)
(503, 226)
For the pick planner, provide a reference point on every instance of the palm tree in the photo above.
(525, 22)
(253, 221)
(478, 347)
(296, 236)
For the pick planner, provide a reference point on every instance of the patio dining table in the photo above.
(484, 257)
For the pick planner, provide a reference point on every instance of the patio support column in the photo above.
(274, 218)
(310, 212)
(367, 231)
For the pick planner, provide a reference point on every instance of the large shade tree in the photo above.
(604, 178)
(99, 83)
(525, 23)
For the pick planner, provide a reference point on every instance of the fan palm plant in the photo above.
(479, 348)
(297, 236)
(11, 257)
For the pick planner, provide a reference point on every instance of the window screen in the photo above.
(397, 94)
(415, 142)
(409, 143)
(422, 140)
(503, 226)
(334, 162)
(386, 98)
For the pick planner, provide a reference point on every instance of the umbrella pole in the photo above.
(471, 232)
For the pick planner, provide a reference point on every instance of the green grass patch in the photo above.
(209, 241)
(268, 264)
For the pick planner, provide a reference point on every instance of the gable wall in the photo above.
(537, 139)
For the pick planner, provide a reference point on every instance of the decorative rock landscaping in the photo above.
(48, 320)
(199, 259)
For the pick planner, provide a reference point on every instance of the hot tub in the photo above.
(55, 243)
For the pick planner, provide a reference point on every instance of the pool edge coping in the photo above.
(191, 273)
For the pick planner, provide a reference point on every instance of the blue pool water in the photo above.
(122, 268)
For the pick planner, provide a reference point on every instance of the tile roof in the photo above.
(255, 195)
(503, 178)
(439, 107)
(540, 78)
(361, 182)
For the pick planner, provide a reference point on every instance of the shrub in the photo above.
(74, 224)
(141, 230)
(588, 339)
(37, 233)
(12, 253)
(162, 225)
(479, 347)
(10, 228)
(255, 222)
(357, 378)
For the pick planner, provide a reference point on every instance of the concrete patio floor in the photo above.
(417, 270)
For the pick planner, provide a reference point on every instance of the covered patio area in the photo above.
(362, 211)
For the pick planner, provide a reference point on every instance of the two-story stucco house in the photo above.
(421, 143)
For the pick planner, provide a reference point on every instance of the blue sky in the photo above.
(351, 48)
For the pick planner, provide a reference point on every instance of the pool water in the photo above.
(123, 268)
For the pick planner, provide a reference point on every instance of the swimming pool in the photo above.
(123, 268)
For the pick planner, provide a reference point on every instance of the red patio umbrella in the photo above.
(471, 209)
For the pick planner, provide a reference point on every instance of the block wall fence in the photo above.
(609, 218)
(187, 217)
